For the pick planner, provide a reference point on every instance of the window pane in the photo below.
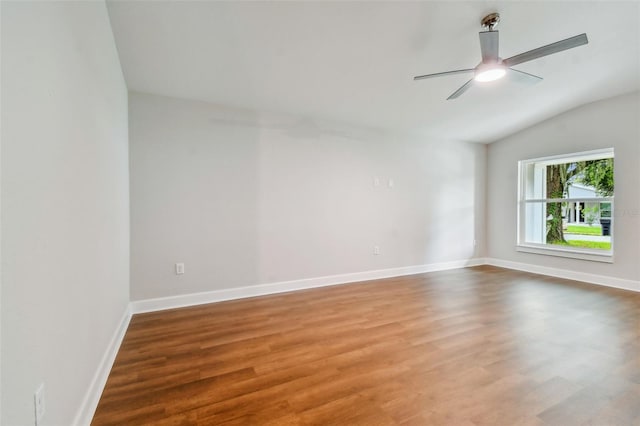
(596, 236)
(535, 181)
(569, 224)
(535, 228)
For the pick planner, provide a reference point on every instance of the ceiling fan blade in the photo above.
(523, 77)
(549, 49)
(489, 46)
(439, 74)
(461, 90)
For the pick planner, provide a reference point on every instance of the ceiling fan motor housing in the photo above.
(490, 21)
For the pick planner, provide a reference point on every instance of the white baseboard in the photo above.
(567, 274)
(180, 301)
(92, 397)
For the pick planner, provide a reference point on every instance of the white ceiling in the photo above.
(353, 62)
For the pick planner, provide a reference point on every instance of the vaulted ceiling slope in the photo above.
(353, 62)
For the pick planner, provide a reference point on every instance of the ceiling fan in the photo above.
(493, 67)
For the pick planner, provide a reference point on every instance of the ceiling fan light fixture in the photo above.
(490, 73)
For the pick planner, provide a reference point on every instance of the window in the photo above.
(565, 205)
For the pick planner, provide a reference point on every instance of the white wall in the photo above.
(609, 123)
(244, 198)
(65, 222)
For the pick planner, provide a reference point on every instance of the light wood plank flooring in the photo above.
(474, 346)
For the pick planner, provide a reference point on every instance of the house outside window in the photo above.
(565, 205)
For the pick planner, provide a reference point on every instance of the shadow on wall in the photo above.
(193, 198)
(454, 200)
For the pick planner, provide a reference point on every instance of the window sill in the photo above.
(606, 257)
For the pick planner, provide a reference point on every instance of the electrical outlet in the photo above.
(179, 268)
(38, 402)
(376, 250)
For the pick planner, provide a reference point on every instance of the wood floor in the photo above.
(474, 346)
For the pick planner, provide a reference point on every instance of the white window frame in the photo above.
(548, 249)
